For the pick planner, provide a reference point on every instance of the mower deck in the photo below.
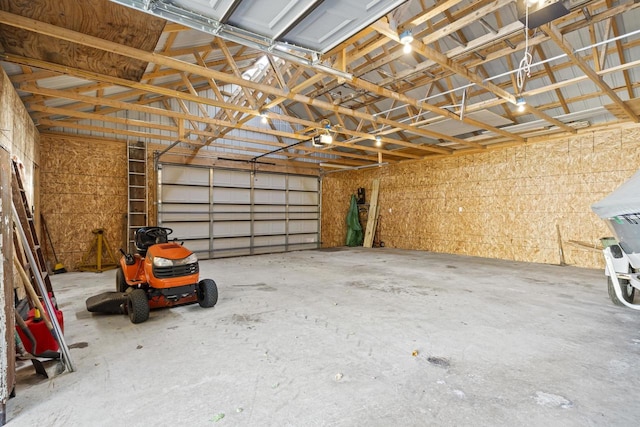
(107, 303)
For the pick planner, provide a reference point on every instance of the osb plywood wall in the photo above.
(83, 187)
(18, 134)
(506, 204)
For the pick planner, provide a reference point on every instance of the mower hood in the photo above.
(170, 250)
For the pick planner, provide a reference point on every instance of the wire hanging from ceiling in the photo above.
(524, 68)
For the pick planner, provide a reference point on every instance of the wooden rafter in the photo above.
(620, 52)
(236, 71)
(553, 79)
(428, 14)
(555, 35)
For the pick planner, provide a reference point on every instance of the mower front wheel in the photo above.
(138, 306)
(121, 282)
(207, 293)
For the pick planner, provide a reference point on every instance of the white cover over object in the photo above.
(624, 200)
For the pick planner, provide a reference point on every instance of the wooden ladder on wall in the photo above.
(137, 190)
(28, 225)
(26, 238)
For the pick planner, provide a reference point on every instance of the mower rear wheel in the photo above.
(628, 291)
(207, 293)
(138, 306)
(121, 283)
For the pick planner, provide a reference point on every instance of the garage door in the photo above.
(227, 212)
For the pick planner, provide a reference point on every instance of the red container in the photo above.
(38, 328)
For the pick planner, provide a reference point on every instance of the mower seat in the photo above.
(148, 236)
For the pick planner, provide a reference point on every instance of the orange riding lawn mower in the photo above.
(162, 273)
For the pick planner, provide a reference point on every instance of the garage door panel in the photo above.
(269, 227)
(270, 181)
(185, 216)
(185, 208)
(232, 243)
(269, 240)
(300, 198)
(304, 183)
(231, 178)
(231, 195)
(187, 230)
(304, 215)
(231, 247)
(187, 175)
(301, 226)
(184, 194)
(303, 239)
(270, 197)
(231, 229)
(184, 212)
(199, 246)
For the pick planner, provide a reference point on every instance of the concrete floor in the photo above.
(350, 337)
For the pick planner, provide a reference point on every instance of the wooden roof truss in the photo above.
(455, 93)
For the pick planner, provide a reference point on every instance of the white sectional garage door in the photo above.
(226, 212)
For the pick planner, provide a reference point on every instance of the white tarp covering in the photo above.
(625, 200)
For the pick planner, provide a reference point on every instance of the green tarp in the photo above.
(354, 229)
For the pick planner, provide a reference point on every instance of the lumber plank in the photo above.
(373, 215)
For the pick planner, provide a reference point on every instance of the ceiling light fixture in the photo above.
(378, 141)
(520, 103)
(406, 37)
(263, 117)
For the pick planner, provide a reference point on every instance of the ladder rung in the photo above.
(137, 200)
(137, 186)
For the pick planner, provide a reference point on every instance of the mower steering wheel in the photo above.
(158, 232)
